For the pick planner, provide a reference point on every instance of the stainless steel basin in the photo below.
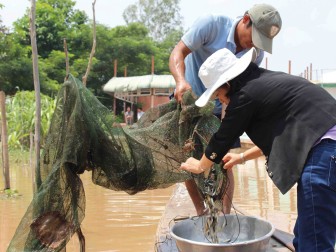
(237, 233)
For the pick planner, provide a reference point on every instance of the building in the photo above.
(146, 91)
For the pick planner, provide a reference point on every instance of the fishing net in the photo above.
(84, 137)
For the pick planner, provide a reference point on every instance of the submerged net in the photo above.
(85, 137)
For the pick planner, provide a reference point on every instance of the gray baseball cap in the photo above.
(266, 24)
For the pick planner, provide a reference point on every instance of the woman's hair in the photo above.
(238, 82)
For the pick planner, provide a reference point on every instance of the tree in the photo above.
(37, 135)
(130, 45)
(55, 19)
(159, 16)
(15, 65)
(2, 27)
(164, 49)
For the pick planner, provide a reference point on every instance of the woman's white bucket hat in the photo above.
(221, 67)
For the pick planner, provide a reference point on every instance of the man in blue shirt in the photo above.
(209, 33)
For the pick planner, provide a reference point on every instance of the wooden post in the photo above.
(125, 111)
(4, 140)
(115, 68)
(289, 67)
(31, 150)
(152, 97)
(152, 65)
(307, 71)
(37, 91)
(93, 49)
(311, 71)
(67, 68)
(125, 71)
(115, 105)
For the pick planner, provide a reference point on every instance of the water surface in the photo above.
(116, 221)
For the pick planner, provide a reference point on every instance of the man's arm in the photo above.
(177, 69)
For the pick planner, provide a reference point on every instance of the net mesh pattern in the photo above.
(84, 137)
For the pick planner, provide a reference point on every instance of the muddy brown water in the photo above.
(116, 221)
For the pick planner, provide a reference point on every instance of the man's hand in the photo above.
(181, 88)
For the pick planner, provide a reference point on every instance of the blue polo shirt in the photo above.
(208, 34)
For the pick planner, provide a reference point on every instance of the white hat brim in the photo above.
(239, 67)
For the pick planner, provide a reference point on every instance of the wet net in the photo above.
(84, 137)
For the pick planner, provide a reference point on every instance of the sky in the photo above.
(308, 26)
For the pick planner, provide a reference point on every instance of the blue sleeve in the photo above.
(199, 32)
(260, 57)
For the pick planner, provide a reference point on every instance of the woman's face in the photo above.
(221, 94)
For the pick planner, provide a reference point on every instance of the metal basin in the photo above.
(237, 233)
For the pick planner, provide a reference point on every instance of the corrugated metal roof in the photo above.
(125, 84)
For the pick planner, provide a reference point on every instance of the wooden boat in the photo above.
(180, 207)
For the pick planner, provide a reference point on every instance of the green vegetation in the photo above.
(9, 193)
(132, 46)
(20, 115)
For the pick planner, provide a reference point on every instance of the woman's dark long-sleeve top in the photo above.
(283, 115)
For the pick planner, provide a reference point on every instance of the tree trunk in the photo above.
(93, 49)
(67, 67)
(31, 150)
(5, 159)
(37, 89)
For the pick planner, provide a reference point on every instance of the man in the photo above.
(257, 27)
(293, 122)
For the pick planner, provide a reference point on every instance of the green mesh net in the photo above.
(85, 137)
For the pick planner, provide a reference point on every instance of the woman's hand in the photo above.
(231, 159)
(197, 166)
(192, 165)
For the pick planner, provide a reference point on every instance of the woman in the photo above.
(292, 122)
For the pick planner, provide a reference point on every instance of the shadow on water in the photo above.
(116, 221)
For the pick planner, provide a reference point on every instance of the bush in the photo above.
(20, 115)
